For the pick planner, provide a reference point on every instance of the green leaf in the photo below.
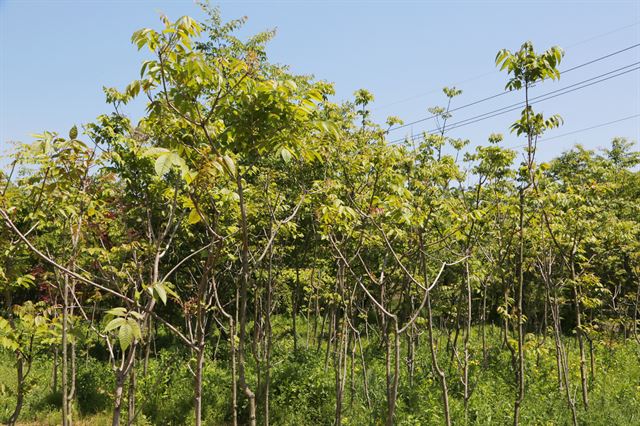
(125, 335)
(229, 164)
(285, 154)
(194, 217)
(25, 280)
(5, 326)
(135, 328)
(73, 133)
(189, 175)
(136, 315)
(163, 164)
(161, 292)
(114, 323)
(153, 151)
(118, 312)
(166, 161)
(8, 343)
(170, 291)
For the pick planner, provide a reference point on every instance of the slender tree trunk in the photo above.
(316, 315)
(117, 403)
(392, 391)
(365, 380)
(519, 327)
(319, 336)
(411, 349)
(294, 309)
(19, 391)
(244, 284)
(309, 300)
(72, 379)
(131, 395)
(352, 380)
(505, 318)
(268, 337)
(339, 366)
(555, 313)
(467, 334)
(388, 374)
(454, 344)
(483, 319)
(204, 283)
(564, 383)
(592, 360)
(147, 346)
(66, 412)
(562, 356)
(121, 374)
(198, 383)
(332, 335)
(442, 378)
(341, 347)
(234, 373)
(54, 373)
(635, 313)
(579, 332)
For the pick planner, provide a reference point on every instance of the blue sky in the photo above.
(55, 56)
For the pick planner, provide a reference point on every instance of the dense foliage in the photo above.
(251, 252)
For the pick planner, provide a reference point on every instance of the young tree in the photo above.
(526, 68)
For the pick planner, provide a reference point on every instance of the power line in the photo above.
(550, 95)
(601, 58)
(608, 123)
(614, 30)
(477, 77)
(511, 108)
(535, 98)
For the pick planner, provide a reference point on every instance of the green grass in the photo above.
(302, 391)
